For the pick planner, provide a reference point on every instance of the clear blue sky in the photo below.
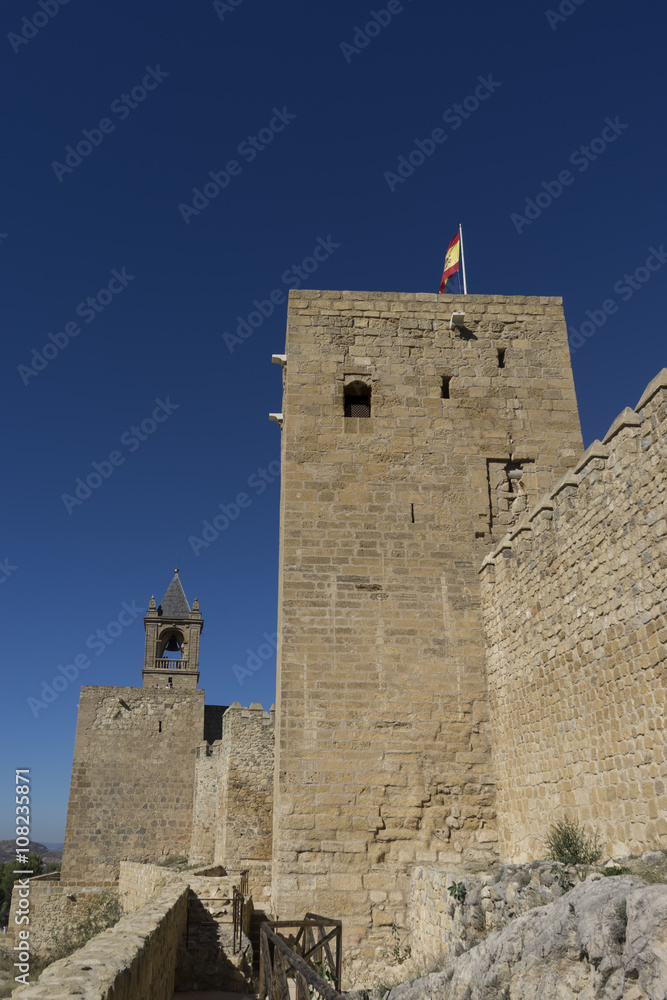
(304, 120)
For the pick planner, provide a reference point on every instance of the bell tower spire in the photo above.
(171, 658)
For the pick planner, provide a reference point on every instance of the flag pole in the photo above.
(463, 260)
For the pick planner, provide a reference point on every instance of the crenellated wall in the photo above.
(575, 608)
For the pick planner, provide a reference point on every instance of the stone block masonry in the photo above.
(135, 960)
(233, 791)
(54, 909)
(383, 745)
(245, 805)
(575, 609)
(132, 779)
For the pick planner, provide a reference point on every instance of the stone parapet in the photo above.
(135, 960)
(576, 625)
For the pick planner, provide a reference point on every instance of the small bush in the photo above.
(621, 911)
(615, 870)
(458, 891)
(568, 843)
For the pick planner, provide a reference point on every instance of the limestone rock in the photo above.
(603, 940)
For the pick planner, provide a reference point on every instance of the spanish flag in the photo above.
(451, 260)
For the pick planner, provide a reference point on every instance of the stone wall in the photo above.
(132, 779)
(442, 926)
(208, 767)
(135, 960)
(383, 748)
(55, 909)
(137, 883)
(575, 615)
(245, 786)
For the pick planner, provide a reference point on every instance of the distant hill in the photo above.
(8, 851)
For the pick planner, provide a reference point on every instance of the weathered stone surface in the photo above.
(605, 939)
(135, 960)
(575, 617)
(383, 750)
(132, 779)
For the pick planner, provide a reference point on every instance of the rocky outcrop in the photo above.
(604, 940)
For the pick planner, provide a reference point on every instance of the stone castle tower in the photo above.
(416, 430)
(157, 772)
(133, 772)
(471, 629)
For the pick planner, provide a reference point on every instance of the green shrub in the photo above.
(615, 870)
(458, 891)
(568, 843)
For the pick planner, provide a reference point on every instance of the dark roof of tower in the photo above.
(174, 604)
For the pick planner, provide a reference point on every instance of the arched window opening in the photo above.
(172, 650)
(357, 400)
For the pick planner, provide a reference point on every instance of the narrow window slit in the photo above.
(446, 379)
(412, 512)
(159, 727)
(501, 357)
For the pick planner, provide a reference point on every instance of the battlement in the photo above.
(632, 432)
(574, 614)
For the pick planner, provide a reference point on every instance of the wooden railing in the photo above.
(302, 957)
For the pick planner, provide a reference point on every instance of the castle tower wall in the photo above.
(383, 751)
(576, 624)
(132, 779)
(244, 785)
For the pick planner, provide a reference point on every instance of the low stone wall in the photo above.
(137, 883)
(54, 910)
(442, 926)
(135, 960)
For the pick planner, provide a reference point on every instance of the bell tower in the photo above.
(171, 658)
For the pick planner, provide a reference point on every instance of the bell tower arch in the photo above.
(171, 657)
